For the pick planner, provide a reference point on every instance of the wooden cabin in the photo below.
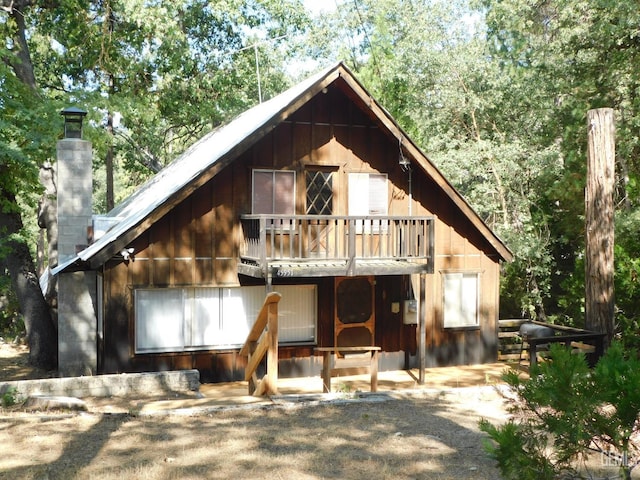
(319, 195)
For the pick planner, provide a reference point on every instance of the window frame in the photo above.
(328, 176)
(360, 194)
(459, 322)
(291, 208)
(251, 297)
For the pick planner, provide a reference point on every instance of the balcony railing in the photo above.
(313, 239)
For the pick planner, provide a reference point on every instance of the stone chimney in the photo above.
(77, 347)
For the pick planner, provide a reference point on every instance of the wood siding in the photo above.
(197, 244)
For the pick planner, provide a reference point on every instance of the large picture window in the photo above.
(183, 319)
(461, 295)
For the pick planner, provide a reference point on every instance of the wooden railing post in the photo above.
(272, 352)
(351, 254)
(252, 380)
(340, 241)
(263, 243)
(263, 340)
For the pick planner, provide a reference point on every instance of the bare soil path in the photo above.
(418, 436)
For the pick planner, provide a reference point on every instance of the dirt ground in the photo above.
(414, 435)
(420, 436)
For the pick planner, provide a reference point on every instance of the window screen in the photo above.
(460, 300)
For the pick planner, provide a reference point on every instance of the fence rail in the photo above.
(341, 238)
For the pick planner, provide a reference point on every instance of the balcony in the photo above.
(327, 245)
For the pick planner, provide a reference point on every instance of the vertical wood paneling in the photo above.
(225, 217)
(282, 146)
(203, 222)
(198, 243)
(182, 229)
(162, 272)
(139, 271)
(301, 138)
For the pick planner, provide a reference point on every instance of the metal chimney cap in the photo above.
(73, 122)
(73, 111)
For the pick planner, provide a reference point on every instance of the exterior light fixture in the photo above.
(402, 160)
(405, 165)
(73, 117)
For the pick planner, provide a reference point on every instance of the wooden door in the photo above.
(354, 319)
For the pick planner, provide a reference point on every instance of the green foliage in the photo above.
(499, 103)
(10, 397)
(567, 410)
(11, 324)
(513, 442)
(627, 277)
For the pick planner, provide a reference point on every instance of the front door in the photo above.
(354, 319)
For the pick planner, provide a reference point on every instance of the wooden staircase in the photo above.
(263, 341)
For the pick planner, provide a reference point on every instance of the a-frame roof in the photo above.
(205, 158)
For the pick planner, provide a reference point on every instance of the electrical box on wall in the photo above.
(410, 312)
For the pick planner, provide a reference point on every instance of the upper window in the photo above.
(179, 319)
(368, 196)
(319, 192)
(461, 294)
(274, 192)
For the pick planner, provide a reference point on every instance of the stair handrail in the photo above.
(263, 340)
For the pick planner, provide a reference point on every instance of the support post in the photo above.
(599, 228)
(422, 330)
(253, 378)
(272, 353)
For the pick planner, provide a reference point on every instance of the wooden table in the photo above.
(331, 366)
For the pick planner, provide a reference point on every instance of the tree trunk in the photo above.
(48, 220)
(599, 214)
(20, 61)
(41, 334)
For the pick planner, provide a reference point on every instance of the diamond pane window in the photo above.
(319, 193)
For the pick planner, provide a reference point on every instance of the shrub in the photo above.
(567, 411)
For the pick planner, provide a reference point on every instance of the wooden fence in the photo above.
(513, 347)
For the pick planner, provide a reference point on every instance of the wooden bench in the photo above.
(332, 367)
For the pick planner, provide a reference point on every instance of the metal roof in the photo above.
(186, 169)
(189, 166)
